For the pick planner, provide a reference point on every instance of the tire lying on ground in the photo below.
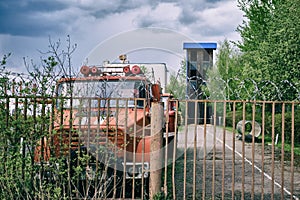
(247, 123)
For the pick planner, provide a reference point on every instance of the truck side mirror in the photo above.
(156, 92)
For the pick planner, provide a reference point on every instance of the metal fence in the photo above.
(243, 150)
(102, 148)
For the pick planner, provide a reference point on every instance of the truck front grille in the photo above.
(102, 137)
(110, 139)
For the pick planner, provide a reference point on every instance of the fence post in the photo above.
(156, 148)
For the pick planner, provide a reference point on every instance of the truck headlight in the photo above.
(136, 170)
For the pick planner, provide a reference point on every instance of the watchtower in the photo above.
(199, 58)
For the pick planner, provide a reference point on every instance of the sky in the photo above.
(145, 30)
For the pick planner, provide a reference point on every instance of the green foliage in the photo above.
(4, 60)
(177, 83)
(228, 61)
(147, 73)
(239, 116)
(268, 112)
(266, 65)
(226, 78)
(215, 88)
(270, 46)
(287, 125)
(19, 134)
(162, 196)
(3, 75)
(23, 122)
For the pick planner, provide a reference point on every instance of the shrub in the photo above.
(268, 122)
(239, 117)
(287, 125)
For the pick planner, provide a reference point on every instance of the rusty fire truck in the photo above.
(106, 114)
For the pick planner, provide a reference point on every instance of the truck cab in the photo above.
(106, 110)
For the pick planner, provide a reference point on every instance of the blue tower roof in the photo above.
(200, 45)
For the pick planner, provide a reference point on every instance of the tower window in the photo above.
(193, 55)
(206, 56)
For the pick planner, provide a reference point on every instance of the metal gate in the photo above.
(240, 150)
(218, 150)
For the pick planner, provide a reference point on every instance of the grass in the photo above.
(268, 140)
(287, 146)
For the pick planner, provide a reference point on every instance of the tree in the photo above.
(3, 74)
(55, 62)
(226, 75)
(177, 85)
(270, 45)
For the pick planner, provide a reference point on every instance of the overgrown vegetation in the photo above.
(26, 116)
(25, 119)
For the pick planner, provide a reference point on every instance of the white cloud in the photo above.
(217, 22)
(90, 22)
(222, 18)
(164, 15)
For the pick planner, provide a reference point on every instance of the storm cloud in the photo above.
(90, 22)
(42, 18)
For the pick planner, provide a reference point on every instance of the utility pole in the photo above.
(156, 155)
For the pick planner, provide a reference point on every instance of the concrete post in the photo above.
(156, 148)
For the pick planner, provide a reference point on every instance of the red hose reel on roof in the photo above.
(126, 69)
(136, 69)
(85, 70)
(93, 71)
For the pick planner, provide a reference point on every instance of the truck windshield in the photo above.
(110, 89)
